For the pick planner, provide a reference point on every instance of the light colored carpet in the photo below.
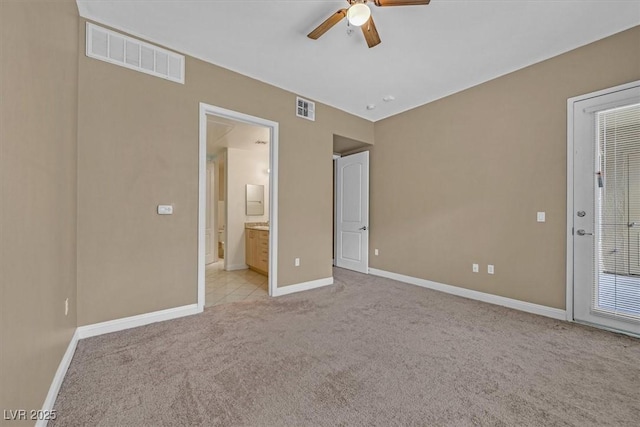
(365, 351)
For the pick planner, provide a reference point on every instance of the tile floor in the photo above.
(230, 286)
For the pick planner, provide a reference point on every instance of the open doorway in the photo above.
(238, 194)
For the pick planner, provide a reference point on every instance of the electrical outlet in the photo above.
(476, 268)
(66, 307)
(490, 268)
(296, 262)
(541, 217)
(375, 252)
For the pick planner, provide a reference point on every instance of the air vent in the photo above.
(118, 49)
(305, 109)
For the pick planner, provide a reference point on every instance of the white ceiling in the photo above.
(224, 133)
(427, 52)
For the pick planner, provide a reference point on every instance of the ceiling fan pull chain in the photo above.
(350, 29)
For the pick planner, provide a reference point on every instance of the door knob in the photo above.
(363, 228)
(634, 224)
(584, 233)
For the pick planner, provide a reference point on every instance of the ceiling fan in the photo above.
(359, 15)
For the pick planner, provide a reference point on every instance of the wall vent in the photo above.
(305, 109)
(116, 48)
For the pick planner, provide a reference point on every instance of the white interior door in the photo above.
(209, 233)
(352, 212)
(606, 136)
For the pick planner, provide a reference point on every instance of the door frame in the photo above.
(211, 214)
(570, 184)
(214, 209)
(335, 208)
(207, 109)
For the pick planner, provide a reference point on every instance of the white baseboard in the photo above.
(541, 310)
(135, 321)
(236, 267)
(58, 378)
(304, 286)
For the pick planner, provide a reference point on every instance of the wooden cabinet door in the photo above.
(257, 249)
(250, 249)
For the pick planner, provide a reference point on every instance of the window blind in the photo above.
(617, 278)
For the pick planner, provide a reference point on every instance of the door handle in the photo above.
(364, 228)
(581, 232)
(634, 224)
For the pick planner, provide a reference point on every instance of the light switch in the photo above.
(165, 209)
(541, 217)
(490, 269)
(475, 268)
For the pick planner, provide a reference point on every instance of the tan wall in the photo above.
(138, 142)
(459, 180)
(38, 56)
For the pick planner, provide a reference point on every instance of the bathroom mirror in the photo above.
(255, 199)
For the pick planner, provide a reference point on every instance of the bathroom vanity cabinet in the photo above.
(257, 249)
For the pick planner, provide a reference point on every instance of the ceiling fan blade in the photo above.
(400, 2)
(371, 33)
(326, 25)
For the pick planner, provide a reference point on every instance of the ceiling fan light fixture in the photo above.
(358, 14)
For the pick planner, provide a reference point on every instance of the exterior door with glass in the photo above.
(605, 153)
